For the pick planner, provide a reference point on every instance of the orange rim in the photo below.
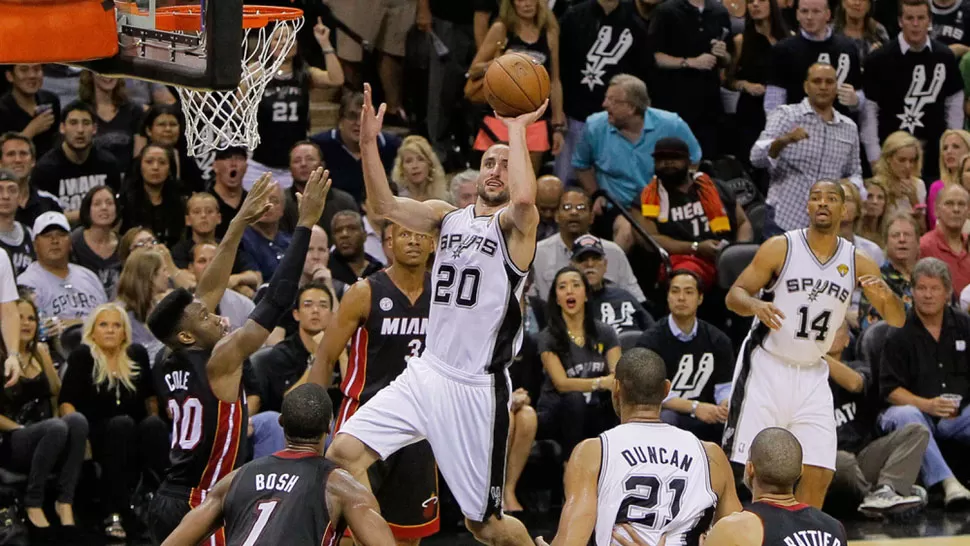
(187, 18)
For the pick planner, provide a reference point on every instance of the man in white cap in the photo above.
(61, 289)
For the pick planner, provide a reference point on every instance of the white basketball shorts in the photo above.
(464, 417)
(769, 392)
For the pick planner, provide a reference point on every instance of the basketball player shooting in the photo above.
(806, 278)
(278, 499)
(775, 516)
(456, 394)
(643, 480)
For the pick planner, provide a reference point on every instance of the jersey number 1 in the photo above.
(265, 510)
(819, 324)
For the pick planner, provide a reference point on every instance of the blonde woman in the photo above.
(38, 442)
(954, 145)
(108, 380)
(899, 165)
(418, 172)
(872, 218)
(144, 281)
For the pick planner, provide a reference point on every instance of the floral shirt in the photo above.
(898, 283)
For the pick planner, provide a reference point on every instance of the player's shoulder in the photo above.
(775, 247)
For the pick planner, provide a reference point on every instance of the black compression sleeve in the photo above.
(285, 284)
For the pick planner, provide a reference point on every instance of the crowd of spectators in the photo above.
(699, 123)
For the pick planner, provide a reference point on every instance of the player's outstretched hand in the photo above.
(257, 202)
(314, 197)
(371, 121)
(769, 315)
(631, 538)
(525, 119)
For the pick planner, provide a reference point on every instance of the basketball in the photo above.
(516, 84)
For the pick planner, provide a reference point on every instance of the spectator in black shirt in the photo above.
(17, 153)
(645, 9)
(152, 197)
(912, 84)
(876, 475)
(699, 359)
(350, 262)
(28, 109)
(15, 238)
(109, 381)
(854, 20)
(94, 244)
(815, 43)
(228, 171)
(77, 165)
(951, 24)
(305, 157)
(549, 190)
(119, 119)
(690, 41)
(610, 304)
(579, 354)
(604, 38)
(163, 125)
(925, 374)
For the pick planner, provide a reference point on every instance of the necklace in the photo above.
(577, 339)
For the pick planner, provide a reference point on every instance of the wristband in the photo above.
(693, 408)
(329, 51)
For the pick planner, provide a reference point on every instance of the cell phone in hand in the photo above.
(43, 109)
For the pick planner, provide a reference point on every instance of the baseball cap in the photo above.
(671, 148)
(232, 151)
(7, 175)
(587, 244)
(49, 220)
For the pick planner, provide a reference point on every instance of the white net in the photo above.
(216, 120)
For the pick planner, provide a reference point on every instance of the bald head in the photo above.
(548, 192)
(642, 376)
(777, 458)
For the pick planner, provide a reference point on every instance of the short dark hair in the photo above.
(912, 3)
(573, 189)
(158, 110)
(641, 373)
(165, 320)
(678, 272)
(86, 205)
(777, 458)
(348, 213)
(79, 106)
(817, 63)
(306, 413)
(838, 187)
(312, 285)
(13, 135)
(306, 142)
(350, 100)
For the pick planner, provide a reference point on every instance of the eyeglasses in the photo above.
(143, 244)
(579, 208)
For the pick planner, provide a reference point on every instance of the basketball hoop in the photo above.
(216, 120)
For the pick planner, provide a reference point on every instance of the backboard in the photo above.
(189, 43)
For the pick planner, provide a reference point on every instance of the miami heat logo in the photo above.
(842, 269)
(430, 507)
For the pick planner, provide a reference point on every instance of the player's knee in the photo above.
(488, 531)
(526, 418)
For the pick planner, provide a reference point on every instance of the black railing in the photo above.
(651, 242)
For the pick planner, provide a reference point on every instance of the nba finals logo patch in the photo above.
(842, 269)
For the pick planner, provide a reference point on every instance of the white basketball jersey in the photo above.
(813, 297)
(475, 324)
(656, 478)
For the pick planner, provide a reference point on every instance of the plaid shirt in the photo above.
(831, 151)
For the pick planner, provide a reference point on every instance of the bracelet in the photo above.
(693, 408)
(596, 384)
(329, 51)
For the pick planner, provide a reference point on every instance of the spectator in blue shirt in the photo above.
(615, 152)
(341, 148)
(263, 241)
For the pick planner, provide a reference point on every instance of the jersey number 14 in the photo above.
(819, 325)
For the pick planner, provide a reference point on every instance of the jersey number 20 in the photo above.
(466, 294)
(819, 325)
(645, 496)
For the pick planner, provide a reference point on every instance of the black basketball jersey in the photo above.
(21, 253)
(208, 435)
(281, 499)
(798, 524)
(951, 25)
(393, 332)
(283, 118)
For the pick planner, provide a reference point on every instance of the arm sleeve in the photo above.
(284, 285)
(774, 97)
(544, 342)
(776, 126)
(869, 129)
(865, 371)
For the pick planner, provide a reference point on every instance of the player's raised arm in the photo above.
(204, 519)
(740, 529)
(743, 296)
(423, 217)
(350, 315)
(350, 501)
(523, 214)
(578, 519)
(214, 281)
(225, 365)
(889, 305)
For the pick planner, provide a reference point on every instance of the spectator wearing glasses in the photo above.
(63, 290)
(17, 154)
(341, 147)
(94, 245)
(574, 218)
